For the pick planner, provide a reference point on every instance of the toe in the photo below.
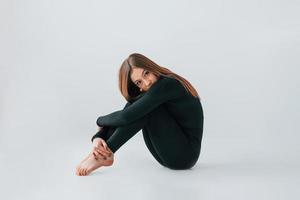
(78, 171)
(84, 172)
(88, 172)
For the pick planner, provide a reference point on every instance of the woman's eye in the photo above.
(146, 72)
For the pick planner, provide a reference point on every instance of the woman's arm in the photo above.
(161, 91)
(101, 129)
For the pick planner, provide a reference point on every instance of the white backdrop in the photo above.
(59, 62)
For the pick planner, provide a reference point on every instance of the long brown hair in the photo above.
(130, 91)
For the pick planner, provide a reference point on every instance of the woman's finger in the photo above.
(105, 153)
(95, 156)
(96, 153)
(107, 150)
(103, 143)
(99, 155)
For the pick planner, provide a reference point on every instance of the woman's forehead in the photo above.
(136, 73)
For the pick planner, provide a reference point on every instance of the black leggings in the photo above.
(164, 138)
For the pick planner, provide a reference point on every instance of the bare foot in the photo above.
(78, 166)
(90, 164)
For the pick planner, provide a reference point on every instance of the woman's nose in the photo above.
(147, 82)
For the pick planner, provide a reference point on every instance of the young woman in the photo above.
(163, 104)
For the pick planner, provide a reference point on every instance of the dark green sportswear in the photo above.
(171, 120)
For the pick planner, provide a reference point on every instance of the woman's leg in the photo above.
(169, 145)
(122, 134)
(150, 147)
(104, 133)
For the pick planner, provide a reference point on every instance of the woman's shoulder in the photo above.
(172, 83)
(168, 79)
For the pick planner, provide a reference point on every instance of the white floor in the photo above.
(228, 168)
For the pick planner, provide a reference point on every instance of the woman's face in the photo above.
(142, 78)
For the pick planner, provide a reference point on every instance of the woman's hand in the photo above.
(100, 149)
(99, 142)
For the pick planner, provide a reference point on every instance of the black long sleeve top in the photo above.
(185, 108)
